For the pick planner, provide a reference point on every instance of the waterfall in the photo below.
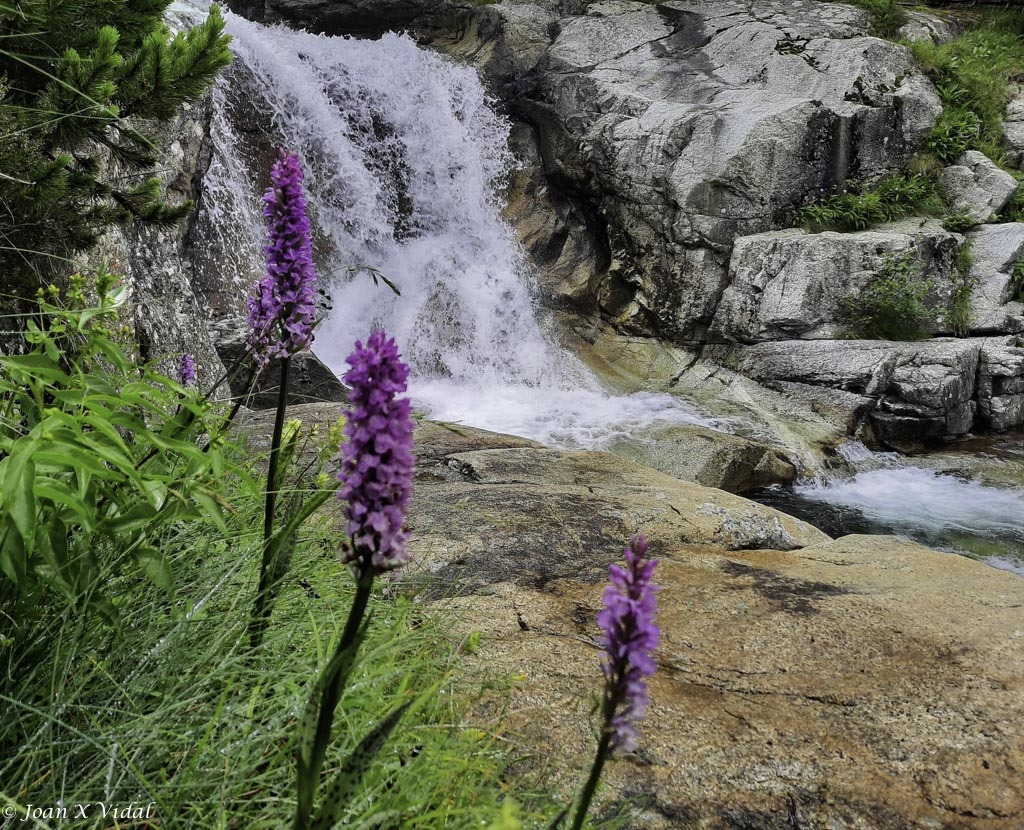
(404, 158)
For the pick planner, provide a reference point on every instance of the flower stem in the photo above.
(587, 794)
(261, 611)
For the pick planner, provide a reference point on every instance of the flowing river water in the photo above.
(405, 161)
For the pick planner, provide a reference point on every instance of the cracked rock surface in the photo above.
(686, 124)
(865, 683)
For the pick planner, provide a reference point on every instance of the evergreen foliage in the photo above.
(71, 165)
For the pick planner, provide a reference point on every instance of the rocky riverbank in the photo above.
(862, 682)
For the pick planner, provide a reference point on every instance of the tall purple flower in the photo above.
(630, 637)
(282, 308)
(187, 370)
(377, 460)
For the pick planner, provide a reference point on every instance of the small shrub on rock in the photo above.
(893, 306)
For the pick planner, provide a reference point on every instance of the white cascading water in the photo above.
(888, 490)
(403, 156)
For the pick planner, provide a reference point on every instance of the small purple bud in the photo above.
(630, 638)
(282, 308)
(377, 461)
(187, 370)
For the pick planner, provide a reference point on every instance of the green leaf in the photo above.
(20, 501)
(135, 518)
(38, 365)
(211, 509)
(347, 782)
(60, 495)
(13, 560)
(155, 565)
(156, 492)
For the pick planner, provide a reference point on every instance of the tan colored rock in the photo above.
(862, 683)
(535, 515)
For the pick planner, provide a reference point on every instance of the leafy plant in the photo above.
(1017, 281)
(887, 16)
(892, 307)
(874, 201)
(71, 164)
(98, 458)
(959, 314)
(972, 74)
(959, 222)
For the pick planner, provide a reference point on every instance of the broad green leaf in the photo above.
(135, 518)
(13, 560)
(156, 492)
(60, 495)
(37, 365)
(155, 565)
(211, 509)
(19, 501)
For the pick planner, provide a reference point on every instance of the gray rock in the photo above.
(995, 251)
(1001, 384)
(708, 457)
(791, 284)
(309, 380)
(923, 392)
(168, 314)
(976, 186)
(1013, 128)
(689, 123)
(928, 27)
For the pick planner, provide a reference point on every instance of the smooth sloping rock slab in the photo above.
(707, 456)
(535, 515)
(863, 683)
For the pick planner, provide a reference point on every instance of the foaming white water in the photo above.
(561, 417)
(403, 155)
(911, 497)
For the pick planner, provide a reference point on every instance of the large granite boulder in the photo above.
(976, 187)
(1001, 384)
(792, 284)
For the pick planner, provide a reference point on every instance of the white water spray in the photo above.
(941, 509)
(403, 155)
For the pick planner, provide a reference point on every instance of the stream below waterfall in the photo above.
(967, 501)
(405, 160)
